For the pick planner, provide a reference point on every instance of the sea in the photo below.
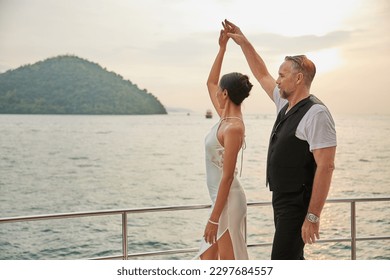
(73, 163)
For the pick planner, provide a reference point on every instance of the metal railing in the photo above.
(124, 213)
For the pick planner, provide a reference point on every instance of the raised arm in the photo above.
(213, 79)
(255, 62)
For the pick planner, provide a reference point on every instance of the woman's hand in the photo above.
(223, 38)
(210, 233)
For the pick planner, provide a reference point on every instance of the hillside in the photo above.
(71, 85)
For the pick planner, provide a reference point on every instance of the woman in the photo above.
(224, 232)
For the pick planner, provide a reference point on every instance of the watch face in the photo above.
(312, 218)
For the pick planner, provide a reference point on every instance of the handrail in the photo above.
(124, 213)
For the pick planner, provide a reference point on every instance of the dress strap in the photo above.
(242, 154)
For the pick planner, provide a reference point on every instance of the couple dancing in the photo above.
(300, 159)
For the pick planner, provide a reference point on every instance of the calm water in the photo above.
(55, 164)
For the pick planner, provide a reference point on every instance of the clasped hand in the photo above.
(233, 31)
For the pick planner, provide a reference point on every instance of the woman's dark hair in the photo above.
(237, 86)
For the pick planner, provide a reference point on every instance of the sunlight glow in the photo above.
(302, 17)
(326, 60)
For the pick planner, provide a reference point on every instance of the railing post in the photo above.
(353, 230)
(124, 236)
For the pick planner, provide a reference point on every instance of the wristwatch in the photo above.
(312, 218)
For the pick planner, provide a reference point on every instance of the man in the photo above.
(301, 151)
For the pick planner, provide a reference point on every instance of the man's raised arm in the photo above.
(255, 62)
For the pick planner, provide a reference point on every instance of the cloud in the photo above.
(275, 44)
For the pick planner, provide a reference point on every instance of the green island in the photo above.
(71, 85)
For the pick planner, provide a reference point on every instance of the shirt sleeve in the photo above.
(318, 128)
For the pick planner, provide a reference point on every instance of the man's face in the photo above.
(287, 80)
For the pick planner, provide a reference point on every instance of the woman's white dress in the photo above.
(233, 216)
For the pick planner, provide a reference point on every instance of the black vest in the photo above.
(290, 164)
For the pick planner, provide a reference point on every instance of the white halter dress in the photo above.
(233, 216)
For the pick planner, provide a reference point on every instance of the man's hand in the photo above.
(310, 232)
(233, 31)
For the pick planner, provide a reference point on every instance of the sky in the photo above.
(168, 47)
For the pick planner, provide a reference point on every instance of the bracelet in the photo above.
(214, 223)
